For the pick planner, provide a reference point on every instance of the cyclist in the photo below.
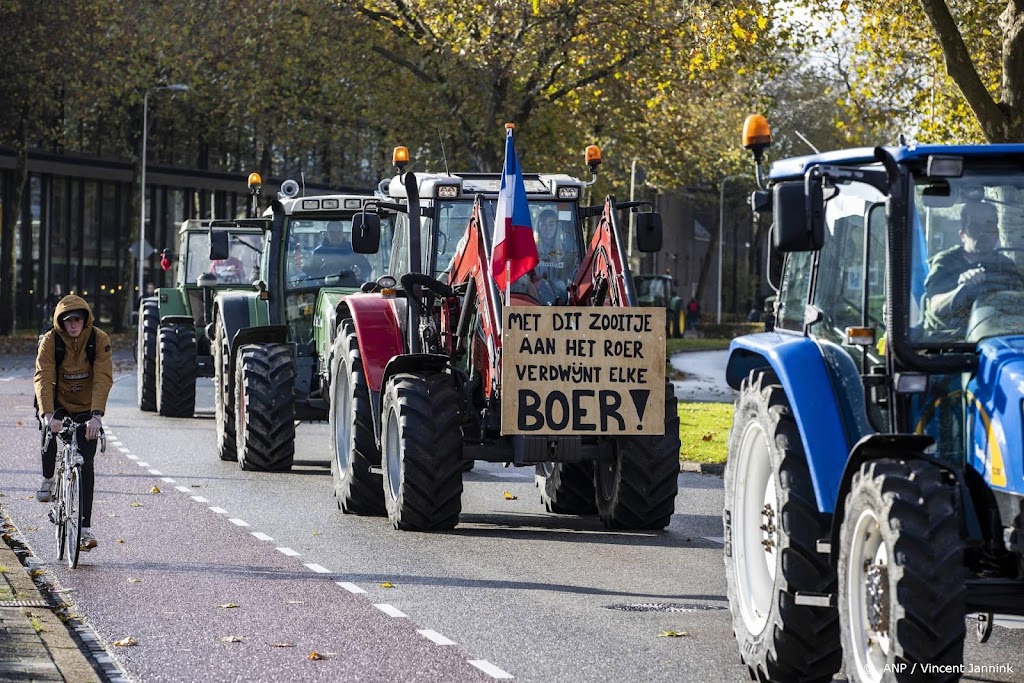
(79, 388)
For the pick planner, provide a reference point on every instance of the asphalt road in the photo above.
(227, 575)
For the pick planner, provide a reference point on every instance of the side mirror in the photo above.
(219, 248)
(648, 232)
(366, 233)
(799, 213)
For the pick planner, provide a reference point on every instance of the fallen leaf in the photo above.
(316, 533)
(135, 504)
(708, 437)
(35, 573)
(196, 486)
(228, 605)
(126, 642)
(315, 655)
(232, 639)
(282, 645)
(387, 584)
(510, 496)
(672, 634)
(120, 540)
(155, 489)
(132, 579)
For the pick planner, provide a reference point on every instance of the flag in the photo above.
(514, 245)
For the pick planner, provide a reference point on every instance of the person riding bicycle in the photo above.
(78, 388)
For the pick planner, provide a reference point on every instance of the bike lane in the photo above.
(202, 595)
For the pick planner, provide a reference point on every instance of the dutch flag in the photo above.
(515, 251)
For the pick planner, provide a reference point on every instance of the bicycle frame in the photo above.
(66, 512)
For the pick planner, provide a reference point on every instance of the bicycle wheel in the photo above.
(57, 515)
(73, 515)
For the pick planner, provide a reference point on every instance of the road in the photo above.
(227, 575)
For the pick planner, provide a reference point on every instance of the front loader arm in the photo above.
(603, 278)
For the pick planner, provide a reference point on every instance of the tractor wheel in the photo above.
(149, 324)
(176, 372)
(772, 526)
(265, 407)
(421, 450)
(901, 574)
(566, 488)
(224, 397)
(637, 489)
(353, 444)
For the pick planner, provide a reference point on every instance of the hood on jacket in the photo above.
(69, 303)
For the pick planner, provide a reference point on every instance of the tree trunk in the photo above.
(11, 216)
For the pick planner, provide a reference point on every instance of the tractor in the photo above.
(875, 484)
(265, 358)
(170, 354)
(416, 396)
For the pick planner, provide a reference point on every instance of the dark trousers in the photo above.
(87, 449)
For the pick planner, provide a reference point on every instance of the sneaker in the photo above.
(43, 494)
(87, 541)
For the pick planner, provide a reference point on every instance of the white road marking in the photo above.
(238, 522)
(715, 539)
(6, 379)
(184, 489)
(124, 450)
(130, 456)
(318, 569)
(287, 551)
(219, 511)
(168, 480)
(114, 442)
(142, 464)
(392, 611)
(489, 669)
(508, 475)
(262, 536)
(198, 499)
(350, 587)
(156, 472)
(435, 637)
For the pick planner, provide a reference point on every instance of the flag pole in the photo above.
(508, 281)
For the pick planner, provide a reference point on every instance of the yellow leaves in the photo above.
(762, 23)
(127, 641)
(155, 489)
(314, 655)
(228, 605)
(387, 584)
(119, 540)
(132, 579)
(510, 496)
(673, 634)
(135, 504)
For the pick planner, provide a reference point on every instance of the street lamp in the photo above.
(721, 237)
(177, 87)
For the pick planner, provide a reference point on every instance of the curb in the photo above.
(702, 467)
(38, 643)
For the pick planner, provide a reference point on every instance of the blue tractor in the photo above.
(874, 492)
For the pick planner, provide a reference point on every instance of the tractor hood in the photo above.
(995, 413)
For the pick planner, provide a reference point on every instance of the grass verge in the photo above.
(704, 431)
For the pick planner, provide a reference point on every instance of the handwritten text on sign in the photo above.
(569, 370)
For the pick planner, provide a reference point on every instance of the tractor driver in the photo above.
(335, 256)
(553, 265)
(958, 275)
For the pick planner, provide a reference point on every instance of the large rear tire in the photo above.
(353, 444)
(567, 488)
(637, 489)
(901, 574)
(176, 372)
(421, 439)
(224, 397)
(265, 407)
(772, 526)
(149, 324)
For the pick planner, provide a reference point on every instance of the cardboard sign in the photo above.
(572, 370)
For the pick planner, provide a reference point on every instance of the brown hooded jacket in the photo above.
(81, 387)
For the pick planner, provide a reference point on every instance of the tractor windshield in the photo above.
(242, 265)
(320, 253)
(967, 247)
(652, 290)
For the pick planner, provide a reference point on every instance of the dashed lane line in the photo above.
(261, 536)
(392, 611)
(199, 499)
(168, 480)
(184, 489)
(490, 669)
(238, 522)
(350, 587)
(219, 511)
(131, 456)
(287, 551)
(155, 472)
(435, 637)
(319, 569)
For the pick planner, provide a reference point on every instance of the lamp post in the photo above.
(721, 237)
(177, 87)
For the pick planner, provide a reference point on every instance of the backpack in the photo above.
(60, 350)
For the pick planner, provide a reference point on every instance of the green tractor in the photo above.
(267, 368)
(170, 354)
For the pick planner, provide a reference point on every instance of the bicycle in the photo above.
(66, 511)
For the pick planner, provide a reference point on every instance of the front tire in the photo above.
(149, 324)
(901, 567)
(224, 395)
(265, 407)
(772, 526)
(421, 450)
(353, 444)
(637, 489)
(176, 373)
(567, 488)
(73, 512)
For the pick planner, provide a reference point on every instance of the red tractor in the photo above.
(417, 394)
